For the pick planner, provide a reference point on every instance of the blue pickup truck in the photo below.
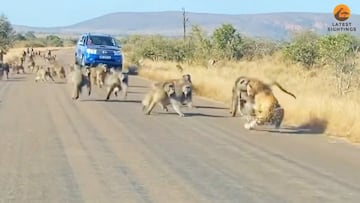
(95, 48)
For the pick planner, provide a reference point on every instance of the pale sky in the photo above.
(47, 13)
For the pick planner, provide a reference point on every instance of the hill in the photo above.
(169, 23)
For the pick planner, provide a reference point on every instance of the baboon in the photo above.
(31, 64)
(52, 58)
(72, 68)
(186, 94)
(182, 85)
(60, 72)
(22, 59)
(179, 68)
(163, 96)
(43, 74)
(53, 72)
(124, 80)
(36, 68)
(78, 80)
(97, 75)
(184, 97)
(18, 67)
(116, 81)
(31, 57)
(240, 99)
(211, 63)
(1, 71)
(4, 69)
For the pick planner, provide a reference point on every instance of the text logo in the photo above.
(342, 12)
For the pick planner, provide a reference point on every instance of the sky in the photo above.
(50, 13)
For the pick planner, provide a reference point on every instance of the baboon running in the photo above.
(183, 89)
(59, 71)
(163, 96)
(4, 68)
(97, 75)
(43, 75)
(78, 80)
(184, 97)
(116, 81)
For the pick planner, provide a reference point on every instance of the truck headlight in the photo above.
(91, 51)
(117, 53)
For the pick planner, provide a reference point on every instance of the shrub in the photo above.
(303, 49)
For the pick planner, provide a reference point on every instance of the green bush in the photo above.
(336, 48)
(54, 41)
(227, 42)
(258, 48)
(303, 49)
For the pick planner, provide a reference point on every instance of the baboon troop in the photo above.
(251, 98)
(28, 62)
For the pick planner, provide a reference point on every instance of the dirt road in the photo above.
(53, 149)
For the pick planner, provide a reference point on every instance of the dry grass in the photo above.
(316, 106)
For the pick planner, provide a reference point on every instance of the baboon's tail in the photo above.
(284, 90)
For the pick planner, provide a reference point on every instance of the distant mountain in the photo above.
(169, 23)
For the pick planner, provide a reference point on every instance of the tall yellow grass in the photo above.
(317, 106)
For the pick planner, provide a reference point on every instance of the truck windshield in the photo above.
(102, 40)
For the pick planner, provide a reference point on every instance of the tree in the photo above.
(227, 42)
(6, 36)
(19, 37)
(340, 52)
(256, 48)
(303, 49)
(30, 35)
(201, 45)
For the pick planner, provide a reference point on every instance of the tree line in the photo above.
(310, 50)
